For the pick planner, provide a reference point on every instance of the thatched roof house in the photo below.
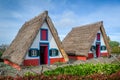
(80, 39)
(15, 55)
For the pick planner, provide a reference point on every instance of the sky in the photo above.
(65, 15)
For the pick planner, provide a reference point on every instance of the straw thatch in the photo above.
(25, 37)
(80, 39)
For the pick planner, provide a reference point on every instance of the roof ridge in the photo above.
(86, 25)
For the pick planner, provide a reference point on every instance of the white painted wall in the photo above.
(101, 40)
(51, 41)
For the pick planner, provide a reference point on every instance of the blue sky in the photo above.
(65, 14)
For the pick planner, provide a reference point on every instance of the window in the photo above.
(98, 36)
(33, 52)
(103, 48)
(44, 34)
(53, 52)
(92, 48)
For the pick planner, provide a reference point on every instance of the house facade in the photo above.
(87, 41)
(98, 47)
(44, 49)
(37, 43)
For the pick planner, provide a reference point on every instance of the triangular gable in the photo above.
(20, 45)
(105, 38)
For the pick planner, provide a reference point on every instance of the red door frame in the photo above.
(46, 52)
(97, 49)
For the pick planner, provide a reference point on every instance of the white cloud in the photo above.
(16, 15)
(109, 14)
(63, 19)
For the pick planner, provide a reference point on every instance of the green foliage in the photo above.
(114, 76)
(116, 50)
(115, 47)
(114, 44)
(2, 64)
(29, 74)
(77, 72)
(0, 54)
(85, 69)
(3, 47)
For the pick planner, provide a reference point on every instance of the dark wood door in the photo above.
(43, 54)
(97, 49)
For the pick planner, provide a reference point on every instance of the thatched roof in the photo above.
(79, 39)
(25, 37)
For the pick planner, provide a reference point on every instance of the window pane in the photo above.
(33, 53)
(103, 47)
(93, 48)
(53, 52)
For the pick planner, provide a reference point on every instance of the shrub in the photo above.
(0, 54)
(85, 69)
(114, 76)
(116, 50)
(29, 74)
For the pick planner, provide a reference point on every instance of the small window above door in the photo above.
(44, 34)
(98, 36)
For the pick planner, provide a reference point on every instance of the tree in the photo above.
(114, 44)
(3, 47)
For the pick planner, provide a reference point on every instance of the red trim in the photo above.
(104, 54)
(78, 57)
(31, 62)
(90, 55)
(54, 60)
(12, 64)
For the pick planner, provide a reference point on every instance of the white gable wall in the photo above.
(101, 40)
(37, 41)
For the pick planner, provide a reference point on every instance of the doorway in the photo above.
(43, 53)
(97, 49)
